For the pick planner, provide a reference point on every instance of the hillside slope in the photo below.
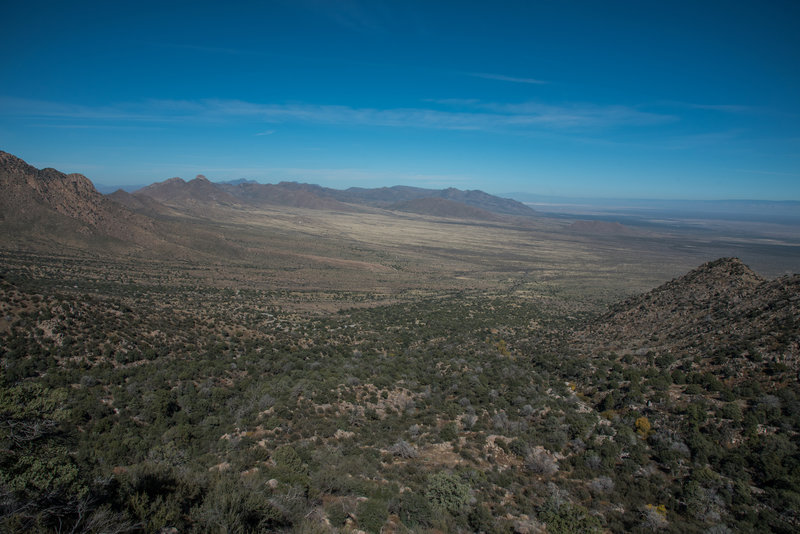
(49, 205)
(720, 307)
(441, 207)
(704, 369)
(259, 194)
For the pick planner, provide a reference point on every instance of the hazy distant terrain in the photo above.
(765, 234)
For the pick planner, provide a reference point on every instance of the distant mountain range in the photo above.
(177, 192)
(437, 202)
(47, 210)
(47, 206)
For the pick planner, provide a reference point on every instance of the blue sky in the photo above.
(610, 99)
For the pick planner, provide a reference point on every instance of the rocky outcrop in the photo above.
(722, 307)
(37, 200)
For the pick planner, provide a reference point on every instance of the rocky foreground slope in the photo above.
(705, 369)
(720, 308)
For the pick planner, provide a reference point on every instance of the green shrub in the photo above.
(447, 492)
(449, 432)
(480, 519)
(414, 510)
(372, 514)
(337, 512)
(285, 456)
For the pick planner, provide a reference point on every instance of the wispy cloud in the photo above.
(354, 15)
(727, 108)
(722, 108)
(768, 173)
(703, 140)
(266, 132)
(147, 111)
(504, 78)
(464, 115)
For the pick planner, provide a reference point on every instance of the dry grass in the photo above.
(379, 256)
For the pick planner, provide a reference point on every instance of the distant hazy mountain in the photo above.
(177, 192)
(388, 196)
(106, 189)
(282, 195)
(50, 208)
(237, 182)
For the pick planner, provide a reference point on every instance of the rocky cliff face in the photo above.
(36, 199)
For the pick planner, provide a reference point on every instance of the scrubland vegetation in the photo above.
(133, 403)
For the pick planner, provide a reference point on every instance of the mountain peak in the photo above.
(712, 284)
(730, 265)
(720, 303)
(178, 192)
(724, 274)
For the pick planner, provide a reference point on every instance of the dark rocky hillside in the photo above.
(720, 308)
(47, 205)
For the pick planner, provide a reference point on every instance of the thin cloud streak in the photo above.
(504, 78)
(473, 115)
(768, 173)
(23, 107)
(723, 108)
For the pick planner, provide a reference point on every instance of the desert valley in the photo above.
(196, 356)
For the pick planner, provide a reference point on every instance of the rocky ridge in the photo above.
(722, 307)
(197, 192)
(449, 202)
(35, 199)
